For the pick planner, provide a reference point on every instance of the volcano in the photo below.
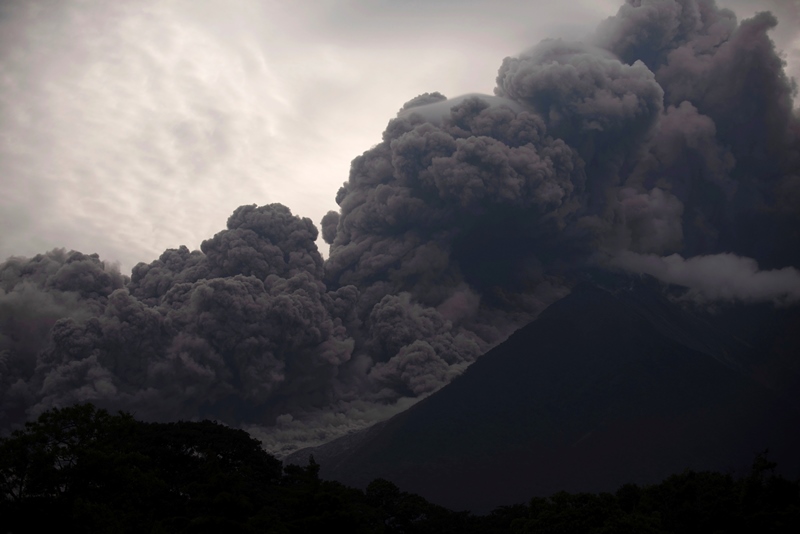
(615, 383)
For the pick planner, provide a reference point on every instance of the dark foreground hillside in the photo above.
(612, 384)
(82, 470)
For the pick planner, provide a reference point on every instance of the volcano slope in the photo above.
(612, 384)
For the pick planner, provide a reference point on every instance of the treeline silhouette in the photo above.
(81, 469)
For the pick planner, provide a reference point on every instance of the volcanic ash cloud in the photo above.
(665, 144)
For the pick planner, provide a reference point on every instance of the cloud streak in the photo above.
(718, 277)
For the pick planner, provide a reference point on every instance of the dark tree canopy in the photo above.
(81, 469)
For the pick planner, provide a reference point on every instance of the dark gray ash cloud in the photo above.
(665, 144)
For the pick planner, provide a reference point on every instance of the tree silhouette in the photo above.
(81, 469)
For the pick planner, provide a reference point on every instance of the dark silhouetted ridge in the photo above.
(611, 384)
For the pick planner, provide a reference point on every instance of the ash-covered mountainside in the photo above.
(666, 143)
(612, 384)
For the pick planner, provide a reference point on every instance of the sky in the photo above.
(127, 128)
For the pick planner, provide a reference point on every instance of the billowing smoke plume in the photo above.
(36, 295)
(666, 144)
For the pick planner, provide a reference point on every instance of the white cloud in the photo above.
(725, 277)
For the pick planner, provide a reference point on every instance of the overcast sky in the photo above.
(130, 127)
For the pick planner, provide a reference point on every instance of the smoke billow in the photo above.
(666, 144)
(36, 295)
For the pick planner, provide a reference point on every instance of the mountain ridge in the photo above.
(609, 385)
